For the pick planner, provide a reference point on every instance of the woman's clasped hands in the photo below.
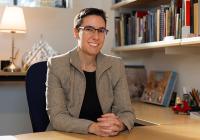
(108, 125)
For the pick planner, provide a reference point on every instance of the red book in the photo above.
(140, 14)
(187, 12)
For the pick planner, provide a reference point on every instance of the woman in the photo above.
(86, 90)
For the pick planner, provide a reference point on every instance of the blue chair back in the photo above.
(35, 91)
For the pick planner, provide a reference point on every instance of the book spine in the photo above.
(195, 17)
(122, 37)
(187, 13)
(191, 16)
(158, 25)
(117, 32)
(198, 16)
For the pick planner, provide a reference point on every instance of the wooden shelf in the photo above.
(138, 3)
(12, 76)
(2, 73)
(194, 41)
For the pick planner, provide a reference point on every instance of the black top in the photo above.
(91, 108)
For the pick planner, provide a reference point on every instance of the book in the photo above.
(195, 17)
(159, 87)
(187, 12)
(136, 79)
(117, 32)
(195, 115)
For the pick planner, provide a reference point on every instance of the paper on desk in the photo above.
(195, 115)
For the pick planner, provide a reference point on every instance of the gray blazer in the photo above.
(65, 90)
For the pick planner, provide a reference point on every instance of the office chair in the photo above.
(35, 91)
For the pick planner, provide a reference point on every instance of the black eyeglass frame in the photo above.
(99, 30)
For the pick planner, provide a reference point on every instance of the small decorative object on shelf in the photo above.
(40, 51)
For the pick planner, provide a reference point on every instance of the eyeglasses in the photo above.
(91, 30)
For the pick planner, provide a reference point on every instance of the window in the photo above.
(37, 3)
(6, 2)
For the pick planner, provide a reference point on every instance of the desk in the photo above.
(149, 114)
(167, 126)
(162, 132)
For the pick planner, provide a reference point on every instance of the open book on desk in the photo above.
(195, 115)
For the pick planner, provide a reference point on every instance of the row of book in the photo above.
(180, 19)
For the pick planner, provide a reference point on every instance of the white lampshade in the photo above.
(13, 20)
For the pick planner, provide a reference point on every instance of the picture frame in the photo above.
(136, 78)
(159, 88)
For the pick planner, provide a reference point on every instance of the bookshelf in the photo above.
(186, 43)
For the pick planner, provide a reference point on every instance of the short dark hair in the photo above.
(86, 12)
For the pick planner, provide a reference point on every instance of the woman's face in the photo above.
(90, 41)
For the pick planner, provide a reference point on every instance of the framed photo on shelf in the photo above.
(159, 87)
(136, 78)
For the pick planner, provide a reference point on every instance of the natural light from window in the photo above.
(37, 3)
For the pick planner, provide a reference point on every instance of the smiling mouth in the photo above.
(93, 44)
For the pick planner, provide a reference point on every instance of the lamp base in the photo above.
(12, 68)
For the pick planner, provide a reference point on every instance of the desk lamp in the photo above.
(13, 22)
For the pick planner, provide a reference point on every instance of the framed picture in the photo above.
(159, 87)
(136, 78)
